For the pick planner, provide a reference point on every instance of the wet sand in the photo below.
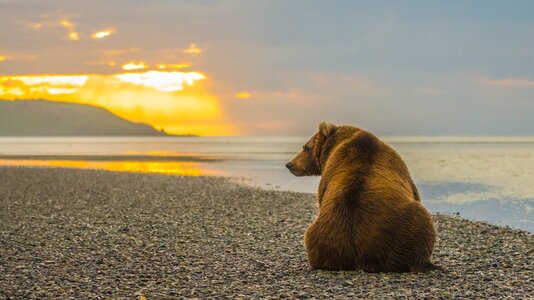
(67, 233)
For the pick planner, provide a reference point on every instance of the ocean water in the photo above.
(481, 178)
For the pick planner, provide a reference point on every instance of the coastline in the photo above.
(133, 157)
(100, 234)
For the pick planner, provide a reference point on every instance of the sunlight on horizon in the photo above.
(170, 100)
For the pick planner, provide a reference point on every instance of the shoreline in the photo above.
(501, 211)
(133, 157)
(92, 233)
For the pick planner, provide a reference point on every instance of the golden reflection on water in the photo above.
(153, 153)
(165, 167)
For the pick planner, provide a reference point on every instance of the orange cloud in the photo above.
(163, 81)
(510, 82)
(73, 35)
(242, 95)
(173, 66)
(116, 52)
(173, 101)
(47, 84)
(107, 63)
(36, 25)
(102, 34)
(193, 49)
(134, 66)
(67, 24)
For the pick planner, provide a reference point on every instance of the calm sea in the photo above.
(482, 178)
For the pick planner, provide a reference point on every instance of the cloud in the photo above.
(72, 34)
(36, 26)
(135, 66)
(118, 52)
(242, 95)
(102, 33)
(162, 81)
(102, 63)
(19, 56)
(310, 97)
(193, 49)
(513, 82)
(299, 67)
(45, 84)
(69, 25)
(173, 66)
(54, 80)
(286, 112)
(173, 101)
(68, 84)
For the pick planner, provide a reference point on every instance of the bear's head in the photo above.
(310, 160)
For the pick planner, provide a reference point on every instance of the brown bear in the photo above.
(370, 216)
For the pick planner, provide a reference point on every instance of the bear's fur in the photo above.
(370, 216)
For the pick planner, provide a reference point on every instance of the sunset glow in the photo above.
(36, 25)
(193, 49)
(102, 34)
(67, 24)
(173, 101)
(242, 95)
(173, 66)
(163, 81)
(52, 80)
(276, 68)
(46, 84)
(134, 66)
(73, 35)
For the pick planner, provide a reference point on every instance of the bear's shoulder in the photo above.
(365, 143)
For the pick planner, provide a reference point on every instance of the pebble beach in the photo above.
(87, 234)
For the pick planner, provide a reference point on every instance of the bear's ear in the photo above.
(326, 129)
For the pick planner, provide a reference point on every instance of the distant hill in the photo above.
(47, 118)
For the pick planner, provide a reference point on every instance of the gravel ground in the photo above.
(83, 234)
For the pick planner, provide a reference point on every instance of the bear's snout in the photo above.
(289, 165)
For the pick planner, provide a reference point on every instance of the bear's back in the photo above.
(361, 163)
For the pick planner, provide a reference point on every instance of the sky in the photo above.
(250, 67)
